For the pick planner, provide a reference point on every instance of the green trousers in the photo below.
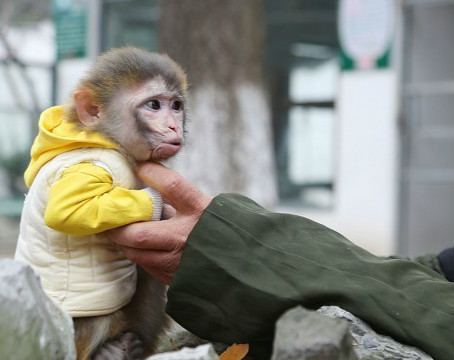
(243, 266)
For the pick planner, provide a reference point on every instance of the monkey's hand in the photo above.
(168, 212)
(157, 246)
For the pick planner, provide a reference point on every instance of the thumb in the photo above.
(174, 188)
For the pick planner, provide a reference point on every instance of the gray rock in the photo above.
(177, 337)
(369, 345)
(302, 335)
(32, 326)
(202, 352)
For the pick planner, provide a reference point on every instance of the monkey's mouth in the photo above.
(166, 150)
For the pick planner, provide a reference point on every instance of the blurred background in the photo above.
(340, 111)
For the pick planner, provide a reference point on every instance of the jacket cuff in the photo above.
(158, 203)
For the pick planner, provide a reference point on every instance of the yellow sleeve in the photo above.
(84, 202)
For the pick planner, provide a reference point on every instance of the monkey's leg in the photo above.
(145, 313)
(127, 346)
(129, 333)
(92, 332)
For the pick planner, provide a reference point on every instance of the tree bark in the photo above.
(220, 44)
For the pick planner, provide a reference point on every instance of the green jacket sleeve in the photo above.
(243, 266)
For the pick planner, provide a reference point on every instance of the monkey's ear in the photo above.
(87, 109)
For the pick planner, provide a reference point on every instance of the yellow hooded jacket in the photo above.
(80, 186)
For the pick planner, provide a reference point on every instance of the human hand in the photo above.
(157, 246)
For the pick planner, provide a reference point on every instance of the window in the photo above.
(310, 132)
(303, 68)
(130, 22)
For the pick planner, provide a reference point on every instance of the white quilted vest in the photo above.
(86, 276)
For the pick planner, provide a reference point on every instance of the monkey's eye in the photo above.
(154, 104)
(177, 105)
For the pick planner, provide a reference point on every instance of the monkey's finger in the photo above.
(168, 212)
(175, 188)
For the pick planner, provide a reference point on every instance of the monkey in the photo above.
(130, 107)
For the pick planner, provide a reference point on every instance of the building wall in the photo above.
(366, 204)
(366, 176)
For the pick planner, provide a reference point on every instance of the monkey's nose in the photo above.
(171, 124)
(175, 129)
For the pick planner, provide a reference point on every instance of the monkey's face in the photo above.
(148, 121)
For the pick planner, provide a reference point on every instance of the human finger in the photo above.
(162, 265)
(153, 235)
(175, 188)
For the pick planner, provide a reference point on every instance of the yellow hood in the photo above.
(56, 136)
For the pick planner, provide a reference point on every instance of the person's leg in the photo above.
(443, 263)
(446, 261)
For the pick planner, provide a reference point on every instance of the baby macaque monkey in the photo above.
(130, 107)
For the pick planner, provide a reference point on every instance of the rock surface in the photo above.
(32, 326)
(306, 335)
(327, 334)
(178, 337)
(369, 345)
(202, 352)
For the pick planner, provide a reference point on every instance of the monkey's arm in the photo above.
(84, 201)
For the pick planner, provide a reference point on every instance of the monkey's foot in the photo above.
(126, 346)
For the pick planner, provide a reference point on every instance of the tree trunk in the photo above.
(220, 44)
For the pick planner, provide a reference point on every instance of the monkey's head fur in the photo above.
(137, 99)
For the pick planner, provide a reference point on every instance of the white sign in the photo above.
(365, 29)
